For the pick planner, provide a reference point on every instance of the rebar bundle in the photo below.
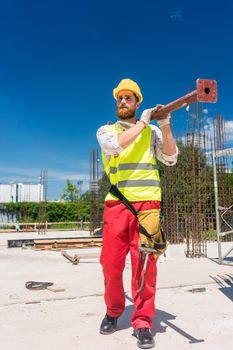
(187, 199)
(93, 187)
(188, 207)
(42, 220)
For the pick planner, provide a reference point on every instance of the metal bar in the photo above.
(206, 91)
(224, 152)
(74, 259)
(225, 233)
(229, 263)
(216, 207)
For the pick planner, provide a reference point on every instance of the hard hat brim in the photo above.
(116, 92)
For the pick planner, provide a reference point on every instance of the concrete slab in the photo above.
(70, 319)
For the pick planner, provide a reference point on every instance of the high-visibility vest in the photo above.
(134, 171)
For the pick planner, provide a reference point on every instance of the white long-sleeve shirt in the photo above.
(110, 145)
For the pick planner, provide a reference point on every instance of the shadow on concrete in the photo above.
(160, 323)
(229, 258)
(225, 283)
(226, 261)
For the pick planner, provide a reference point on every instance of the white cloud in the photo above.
(209, 128)
(175, 14)
(26, 173)
(60, 176)
(229, 130)
(17, 174)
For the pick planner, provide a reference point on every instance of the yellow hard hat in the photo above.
(128, 84)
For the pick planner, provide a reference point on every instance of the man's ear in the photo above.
(137, 105)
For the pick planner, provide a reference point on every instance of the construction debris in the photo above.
(33, 285)
(74, 259)
(197, 290)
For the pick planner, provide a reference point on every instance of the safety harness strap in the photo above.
(117, 193)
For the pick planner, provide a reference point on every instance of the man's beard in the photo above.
(125, 113)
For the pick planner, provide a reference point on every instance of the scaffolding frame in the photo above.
(221, 257)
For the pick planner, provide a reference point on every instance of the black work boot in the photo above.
(145, 338)
(108, 325)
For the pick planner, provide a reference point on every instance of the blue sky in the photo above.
(60, 60)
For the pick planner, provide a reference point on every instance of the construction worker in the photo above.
(130, 149)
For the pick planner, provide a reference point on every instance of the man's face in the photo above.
(127, 105)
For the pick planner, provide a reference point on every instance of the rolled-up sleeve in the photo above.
(158, 146)
(108, 142)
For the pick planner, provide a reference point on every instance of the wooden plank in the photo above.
(67, 240)
(60, 245)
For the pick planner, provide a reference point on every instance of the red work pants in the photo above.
(120, 236)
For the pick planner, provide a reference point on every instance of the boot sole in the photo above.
(145, 346)
(106, 333)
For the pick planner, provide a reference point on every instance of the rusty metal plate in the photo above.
(206, 90)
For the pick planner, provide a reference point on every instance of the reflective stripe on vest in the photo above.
(133, 166)
(137, 166)
(134, 171)
(138, 183)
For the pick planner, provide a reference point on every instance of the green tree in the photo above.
(231, 177)
(86, 196)
(104, 186)
(55, 211)
(70, 193)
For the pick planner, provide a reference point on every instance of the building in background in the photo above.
(21, 192)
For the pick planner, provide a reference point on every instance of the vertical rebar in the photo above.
(42, 219)
(94, 191)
